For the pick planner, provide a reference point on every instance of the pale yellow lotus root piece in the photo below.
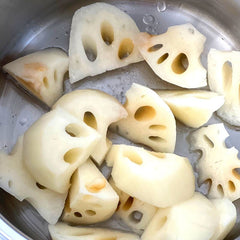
(149, 122)
(135, 213)
(175, 55)
(41, 73)
(62, 231)
(91, 198)
(192, 107)
(55, 146)
(224, 78)
(16, 180)
(102, 38)
(194, 219)
(217, 164)
(227, 217)
(160, 179)
(98, 110)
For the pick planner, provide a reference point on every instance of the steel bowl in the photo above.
(27, 26)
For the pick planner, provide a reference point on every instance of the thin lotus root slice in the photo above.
(224, 78)
(150, 120)
(175, 55)
(41, 73)
(218, 164)
(102, 38)
(192, 107)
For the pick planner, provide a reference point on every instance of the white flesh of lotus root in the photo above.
(55, 146)
(224, 78)
(62, 231)
(217, 165)
(192, 107)
(175, 55)
(150, 121)
(98, 110)
(91, 198)
(194, 219)
(228, 216)
(41, 73)
(101, 39)
(133, 212)
(160, 179)
(16, 180)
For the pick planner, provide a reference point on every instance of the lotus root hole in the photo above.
(158, 154)
(133, 157)
(227, 75)
(125, 49)
(162, 58)
(236, 173)
(72, 155)
(156, 139)
(90, 212)
(97, 185)
(157, 127)
(75, 130)
(162, 222)
(40, 186)
(90, 120)
(77, 214)
(127, 205)
(231, 186)
(145, 113)
(90, 48)
(136, 216)
(10, 183)
(155, 47)
(45, 82)
(208, 141)
(180, 64)
(220, 190)
(107, 32)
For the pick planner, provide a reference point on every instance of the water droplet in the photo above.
(148, 19)
(23, 121)
(161, 5)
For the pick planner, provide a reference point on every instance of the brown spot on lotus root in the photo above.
(107, 32)
(97, 185)
(126, 48)
(180, 64)
(145, 113)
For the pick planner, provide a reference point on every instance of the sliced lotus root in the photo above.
(224, 78)
(159, 179)
(194, 219)
(55, 146)
(41, 73)
(135, 213)
(16, 180)
(192, 107)
(62, 231)
(218, 164)
(175, 55)
(102, 38)
(91, 198)
(149, 122)
(227, 217)
(98, 110)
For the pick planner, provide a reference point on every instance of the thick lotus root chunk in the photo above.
(102, 38)
(175, 55)
(224, 78)
(41, 73)
(16, 180)
(62, 231)
(149, 122)
(91, 198)
(135, 213)
(218, 164)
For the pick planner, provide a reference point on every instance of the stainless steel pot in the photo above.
(26, 26)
